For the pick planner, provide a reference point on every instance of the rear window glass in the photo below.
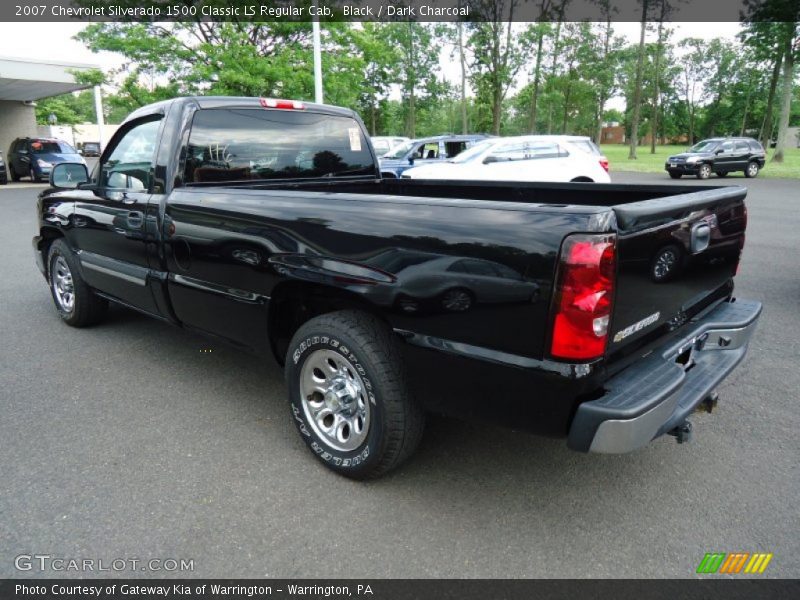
(256, 144)
(51, 147)
(586, 145)
(755, 146)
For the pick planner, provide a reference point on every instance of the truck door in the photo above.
(109, 221)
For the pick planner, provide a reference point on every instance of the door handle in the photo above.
(135, 219)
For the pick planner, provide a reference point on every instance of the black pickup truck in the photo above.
(599, 313)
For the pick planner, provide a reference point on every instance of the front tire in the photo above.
(751, 170)
(704, 172)
(349, 396)
(76, 303)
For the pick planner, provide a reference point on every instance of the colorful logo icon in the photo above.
(734, 562)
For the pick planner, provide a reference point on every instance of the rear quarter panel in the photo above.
(253, 242)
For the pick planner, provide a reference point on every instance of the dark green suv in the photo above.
(720, 156)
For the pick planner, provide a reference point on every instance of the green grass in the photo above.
(617, 155)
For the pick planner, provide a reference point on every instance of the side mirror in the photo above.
(68, 176)
(719, 151)
(411, 160)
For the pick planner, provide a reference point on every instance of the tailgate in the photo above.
(675, 257)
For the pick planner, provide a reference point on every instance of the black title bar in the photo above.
(397, 10)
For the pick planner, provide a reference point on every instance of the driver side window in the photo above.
(130, 164)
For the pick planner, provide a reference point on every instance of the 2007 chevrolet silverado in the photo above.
(601, 313)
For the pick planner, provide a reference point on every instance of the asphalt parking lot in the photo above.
(130, 439)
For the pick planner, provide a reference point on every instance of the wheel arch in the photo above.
(47, 235)
(293, 303)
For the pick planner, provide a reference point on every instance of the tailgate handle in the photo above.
(701, 237)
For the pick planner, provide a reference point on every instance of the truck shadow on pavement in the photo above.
(453, 454)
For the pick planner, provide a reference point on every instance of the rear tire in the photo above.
(76, 303)
(704, 172)
(751, 170)
(349, 395)
(13, 173)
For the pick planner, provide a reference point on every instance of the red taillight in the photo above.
(284, 104)
(604, 163)
(583, 296)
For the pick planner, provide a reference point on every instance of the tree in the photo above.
(370, 71)
(664, 11)
(418, 69)
(637, 97)
(790, 40)
(763, 39)
(535, 35)
(497, 55)
(604, 74)
(695, 72)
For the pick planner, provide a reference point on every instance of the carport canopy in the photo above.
(28, 80)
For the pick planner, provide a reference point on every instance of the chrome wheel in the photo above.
(63, 286)
(456, 300)
(334, 400)
(752, 169)
(665, 263)
(704, 172)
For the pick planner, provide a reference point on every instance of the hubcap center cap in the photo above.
(340, 396)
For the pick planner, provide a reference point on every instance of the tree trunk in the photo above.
(556, 39)
(766, 125)
(786, 100)
(536, 73)
(657, 91)
(567, 95)
(411, 117)
(746, 106)
(637, 92)
(601, 101)
(411, 125)
(464, 127)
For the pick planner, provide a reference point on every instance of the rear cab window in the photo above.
(251, 144)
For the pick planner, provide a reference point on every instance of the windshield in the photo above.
(470, 153)
(48, 147)
(400, 151)
(704, 146)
